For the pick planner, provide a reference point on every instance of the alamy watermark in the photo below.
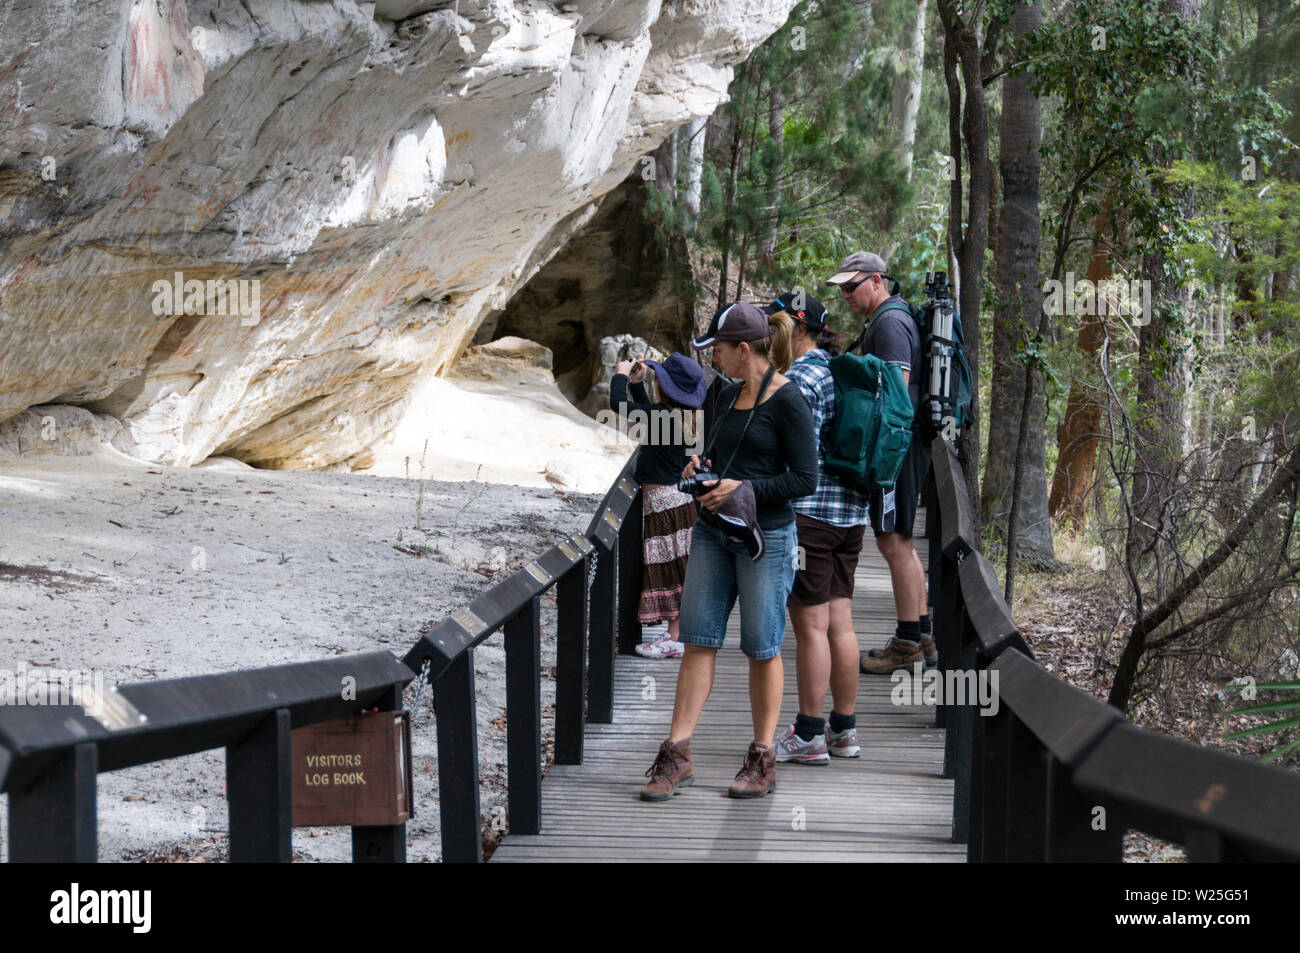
(956, 686)
(659, 427)
(52, 686)
(1108, 296)
(215, 296)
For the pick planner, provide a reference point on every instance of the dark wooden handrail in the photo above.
(50, 755)
(1057, 774)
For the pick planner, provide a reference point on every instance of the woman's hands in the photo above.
(693, 465)
(635, 370)
(721, 490)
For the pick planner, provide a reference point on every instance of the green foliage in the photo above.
(1282, 724)
(829, 183)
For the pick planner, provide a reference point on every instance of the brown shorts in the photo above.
(830, 557)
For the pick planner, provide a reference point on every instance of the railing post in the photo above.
(53, 820)
(571, 663)
(259, 793)
(1208, 847)
(959, 740)
(458, 797)
(935, 592)
(1071, 836)
(381, 845)
(946, 623)
(524, 718)
(600, 687)
(630, 560)
(1026, 810)
(989, 841)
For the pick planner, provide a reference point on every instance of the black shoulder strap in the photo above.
(717, 424)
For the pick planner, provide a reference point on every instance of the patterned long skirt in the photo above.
(668, 517)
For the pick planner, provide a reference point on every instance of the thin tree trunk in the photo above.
(776, 133)
(907, 83)
(728, 210)
(693, 185)
(1160, 372)
(1079, 434)
(968, 124)
(1020, 303)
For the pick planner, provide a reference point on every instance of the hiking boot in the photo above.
(843, 744)
(757, 775)
(899, 653)
(790, 747)
(672, 769)
(928, 651)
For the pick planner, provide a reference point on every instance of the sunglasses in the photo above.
(851, 286)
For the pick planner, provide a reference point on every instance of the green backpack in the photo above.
(873, 421)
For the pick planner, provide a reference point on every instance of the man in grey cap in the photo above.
(893, 336)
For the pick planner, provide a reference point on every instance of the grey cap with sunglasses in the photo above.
(859, 261)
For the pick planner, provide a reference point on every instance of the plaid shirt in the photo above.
(834, 501)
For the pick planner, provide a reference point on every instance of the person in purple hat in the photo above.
(667, 430)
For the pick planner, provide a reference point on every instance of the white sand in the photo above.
(188, 572)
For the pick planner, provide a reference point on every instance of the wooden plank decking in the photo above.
(888, 805)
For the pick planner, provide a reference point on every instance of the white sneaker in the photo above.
(843, 744)
(664, 648)
(790, 747)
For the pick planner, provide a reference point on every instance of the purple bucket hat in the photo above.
(681, 378)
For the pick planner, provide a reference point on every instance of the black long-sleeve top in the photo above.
(779, 453)
(657, 462)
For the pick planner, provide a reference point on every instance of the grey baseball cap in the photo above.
(866, 261)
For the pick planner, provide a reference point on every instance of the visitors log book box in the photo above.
(353, 771)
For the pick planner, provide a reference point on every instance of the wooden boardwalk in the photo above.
(888, 805)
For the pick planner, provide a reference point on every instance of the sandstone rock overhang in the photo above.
(252, 229)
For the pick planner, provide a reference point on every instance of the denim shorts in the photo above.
(719, 570)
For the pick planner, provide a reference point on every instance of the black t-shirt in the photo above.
(657, 462)
(779, 453)
(894, 338)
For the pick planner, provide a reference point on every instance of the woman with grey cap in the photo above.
(760, 454)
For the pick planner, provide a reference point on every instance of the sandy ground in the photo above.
(147, 572)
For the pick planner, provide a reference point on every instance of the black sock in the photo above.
(910, 631)
(925, 625)
(808, 728)
(842, 722)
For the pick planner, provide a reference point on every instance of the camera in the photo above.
(936, 286)
(694, 484)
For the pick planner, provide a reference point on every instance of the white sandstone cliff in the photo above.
(372, 178)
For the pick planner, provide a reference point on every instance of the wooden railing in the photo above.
(51, 755)
(1056, 774)
(596, 611)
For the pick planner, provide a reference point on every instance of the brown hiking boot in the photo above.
(928, 651)
(758, 774)
(898, 653)
(672, 768)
